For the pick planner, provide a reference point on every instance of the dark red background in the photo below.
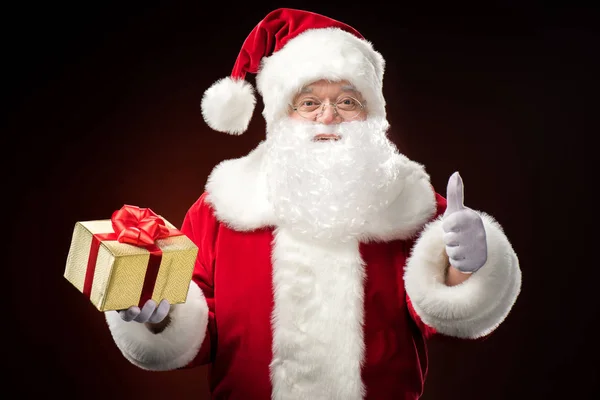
(101, 108)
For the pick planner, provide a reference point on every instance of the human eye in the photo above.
(308, 104)
(348, 103)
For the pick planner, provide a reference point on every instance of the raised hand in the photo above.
(150, 312)
(464, 233)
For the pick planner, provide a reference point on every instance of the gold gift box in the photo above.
(121, 268)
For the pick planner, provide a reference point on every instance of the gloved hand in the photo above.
(464, 233)
(149, 312)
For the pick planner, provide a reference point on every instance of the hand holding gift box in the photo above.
(131, 258)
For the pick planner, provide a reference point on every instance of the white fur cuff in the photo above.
(477, 306)
(173, 348)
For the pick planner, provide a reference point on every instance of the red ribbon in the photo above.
(139, 227)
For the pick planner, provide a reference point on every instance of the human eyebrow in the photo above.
(302, 93)
(352, 91)
(305, 93)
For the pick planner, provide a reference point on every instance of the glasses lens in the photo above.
(308, 108)
(349, 108)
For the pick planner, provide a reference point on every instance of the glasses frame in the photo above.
(321, 109)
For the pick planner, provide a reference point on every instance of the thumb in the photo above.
(454, 194)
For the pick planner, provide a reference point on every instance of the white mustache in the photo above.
(321, 128)
(312, 129)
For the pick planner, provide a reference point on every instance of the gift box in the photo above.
(134, 256)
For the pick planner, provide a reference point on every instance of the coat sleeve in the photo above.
(426, 329)
(474, 308)
(187, 340)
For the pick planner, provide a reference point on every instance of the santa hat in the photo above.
(287, 50)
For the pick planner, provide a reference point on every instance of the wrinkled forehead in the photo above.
(324, 88)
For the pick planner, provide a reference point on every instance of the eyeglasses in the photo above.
(347, 108)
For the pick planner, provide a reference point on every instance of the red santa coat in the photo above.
(277, 317)
(235, 275)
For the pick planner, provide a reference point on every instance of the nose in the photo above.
(328, 115)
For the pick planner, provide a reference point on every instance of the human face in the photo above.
(329, 94)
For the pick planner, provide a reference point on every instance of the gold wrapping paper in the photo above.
(121, 268)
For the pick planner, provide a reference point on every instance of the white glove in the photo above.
(464, 233)
(149, 312)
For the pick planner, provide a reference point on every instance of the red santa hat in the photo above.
(287, 50)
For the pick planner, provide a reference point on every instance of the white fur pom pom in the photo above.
(227, 106)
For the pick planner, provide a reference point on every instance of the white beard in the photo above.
(331, 190)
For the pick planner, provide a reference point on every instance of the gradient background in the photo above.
(101, 108)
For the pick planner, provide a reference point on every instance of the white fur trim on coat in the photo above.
(328, 53)
(475, 307)
(174, 347)
(317, 350)
(227, 105)
(237, 191)
(406, 215)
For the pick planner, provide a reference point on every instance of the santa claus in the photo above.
(326, 259)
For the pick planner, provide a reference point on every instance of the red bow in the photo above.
(138, 226)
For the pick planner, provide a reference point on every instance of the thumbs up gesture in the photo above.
(464, 234)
